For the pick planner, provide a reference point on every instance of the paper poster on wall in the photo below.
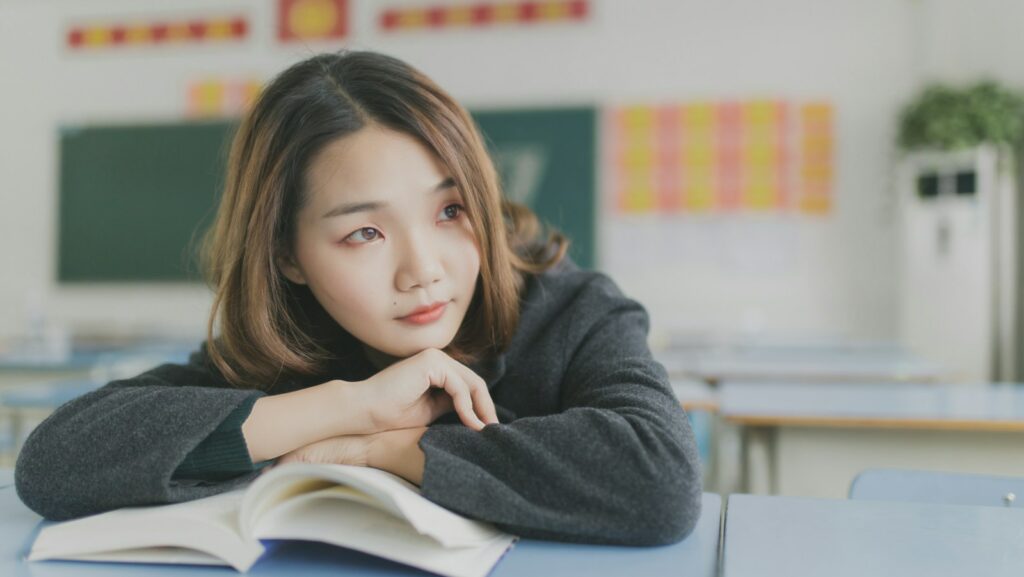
(482, 14)
(719, 157)
(96, 36)
(816, 166)
(312, 20)
(212, 97)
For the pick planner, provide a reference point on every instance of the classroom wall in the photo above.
(781, 273)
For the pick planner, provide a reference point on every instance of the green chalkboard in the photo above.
(135, 200)
(546, 158)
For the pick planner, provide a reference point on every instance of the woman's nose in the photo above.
(420, 265)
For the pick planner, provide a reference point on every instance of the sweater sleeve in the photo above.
(224, 454)
(617, 465)
(120, 445)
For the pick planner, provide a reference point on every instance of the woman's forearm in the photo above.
(279, 424)
(399, 452)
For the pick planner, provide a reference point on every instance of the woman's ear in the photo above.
(290, 269)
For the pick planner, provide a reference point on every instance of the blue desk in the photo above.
(6, 478)
(697, 555)
(797, 537)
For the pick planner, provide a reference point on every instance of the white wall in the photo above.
(789, 274)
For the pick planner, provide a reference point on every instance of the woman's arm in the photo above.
(121, 444)
(167, 436)
(618, 464)
(281, 423)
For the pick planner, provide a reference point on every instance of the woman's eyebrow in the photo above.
(372, 205)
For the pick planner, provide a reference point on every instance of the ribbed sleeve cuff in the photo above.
(223, 454)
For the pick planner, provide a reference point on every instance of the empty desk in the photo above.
(812, 440)
(715, 366)
(938, 487)
(768, 536)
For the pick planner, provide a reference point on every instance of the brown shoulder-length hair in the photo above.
(271, 328)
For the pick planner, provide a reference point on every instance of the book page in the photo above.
(154, 534)
(387, 492)
(321, 516)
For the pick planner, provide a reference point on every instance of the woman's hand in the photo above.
(415, 391)
(396, 451)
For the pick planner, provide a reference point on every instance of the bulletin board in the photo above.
(135, 200)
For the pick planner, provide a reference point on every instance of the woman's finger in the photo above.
(482, 402)
(457, 388)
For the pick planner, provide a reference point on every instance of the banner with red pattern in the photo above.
(482, 14)
(126, 34)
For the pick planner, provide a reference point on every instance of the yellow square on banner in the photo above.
(138, 34)
(506, 12)
(553, 10)
(97, 36)
(219, 30)
(459, 15)
(412, 18)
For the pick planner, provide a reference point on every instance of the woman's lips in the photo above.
(426, 316)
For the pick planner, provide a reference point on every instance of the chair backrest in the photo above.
(938, 487)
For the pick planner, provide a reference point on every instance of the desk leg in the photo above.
(757, 462)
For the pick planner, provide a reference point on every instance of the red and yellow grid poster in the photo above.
(816, 166)
(219, 98)
(482, 14)
(312, 19)
(720, 157)
(128, 34)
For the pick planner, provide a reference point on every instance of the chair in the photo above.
(938, 487)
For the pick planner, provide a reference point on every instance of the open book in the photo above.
(356, 507)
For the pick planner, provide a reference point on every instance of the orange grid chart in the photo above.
(707, 157)
(483, 14)
(312, 19)
(816, 167)
(205, 30)
(217, 98)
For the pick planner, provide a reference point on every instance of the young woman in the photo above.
(377, 303)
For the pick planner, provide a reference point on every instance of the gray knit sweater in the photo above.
(592, 445)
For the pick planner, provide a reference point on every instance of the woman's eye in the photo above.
(364, 235)
(452, 211)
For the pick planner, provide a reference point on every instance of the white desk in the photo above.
(812, 439)
(798, 537)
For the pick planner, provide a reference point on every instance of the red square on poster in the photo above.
(311, 19)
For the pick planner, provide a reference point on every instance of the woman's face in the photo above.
(383, 234)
